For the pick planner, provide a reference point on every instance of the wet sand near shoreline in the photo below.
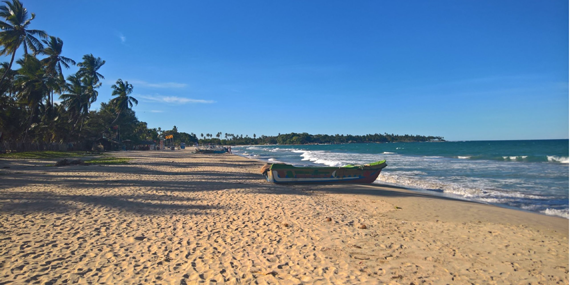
(175, 217)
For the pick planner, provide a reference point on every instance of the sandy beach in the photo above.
(175, 217)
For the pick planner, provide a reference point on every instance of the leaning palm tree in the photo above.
(55, 60)
(123, 101)
(15, 31)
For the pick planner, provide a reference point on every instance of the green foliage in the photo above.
(43, 154)
(15, 32)
(180, 137)
(28, 115)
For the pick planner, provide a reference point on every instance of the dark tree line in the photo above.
(305, 138)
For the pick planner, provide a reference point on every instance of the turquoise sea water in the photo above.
(529, 175)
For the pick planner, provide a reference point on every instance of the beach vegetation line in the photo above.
(44, 154)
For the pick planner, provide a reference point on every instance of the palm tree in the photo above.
(15, 31)
(90, 66)
(88, 72)
(54, 59)
(32, 84)
(75, 100)
(123, 101)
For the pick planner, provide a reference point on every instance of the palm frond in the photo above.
(35, 44)
(67, 61)
(40, 33)
(5, 26)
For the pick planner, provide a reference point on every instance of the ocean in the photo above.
(529, 175)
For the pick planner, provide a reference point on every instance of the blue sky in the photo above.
(464, 70)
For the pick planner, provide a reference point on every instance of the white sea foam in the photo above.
(495, 200)
(515, 158)
(464, 157)
(555, 212)
(389, 152)
(473, 190)
(320, 158)
(554, 158)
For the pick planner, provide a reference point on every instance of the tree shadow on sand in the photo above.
(156, 191)
(146, 204)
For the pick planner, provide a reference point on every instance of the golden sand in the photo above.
(174, 217)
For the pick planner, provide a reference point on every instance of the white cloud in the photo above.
(174, 99)
(121, 37)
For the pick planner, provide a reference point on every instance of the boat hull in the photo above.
(211, 151)
(286, 174)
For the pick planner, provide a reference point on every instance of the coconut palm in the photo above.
(123, 101)
(89, 67)
(15, 31)
(55, 60)
(75, 99)
(32, 84)
(91, 77)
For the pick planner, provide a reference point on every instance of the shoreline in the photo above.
(363, 189)
(417, 184)
(178, 216)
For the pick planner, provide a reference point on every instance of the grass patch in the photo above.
(45, 154)
(108, 160)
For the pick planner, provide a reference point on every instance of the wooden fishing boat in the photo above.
(211, 150)
(284, 173)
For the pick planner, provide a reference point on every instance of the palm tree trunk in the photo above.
(116, 118)
(9, 67)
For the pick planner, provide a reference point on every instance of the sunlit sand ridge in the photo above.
(177, 217)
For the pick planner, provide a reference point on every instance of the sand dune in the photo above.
(183, 218)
